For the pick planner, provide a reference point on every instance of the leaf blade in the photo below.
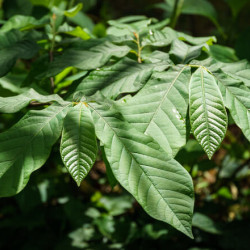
(26, 146)
(78, 144)
(159, 183)
(208, 116)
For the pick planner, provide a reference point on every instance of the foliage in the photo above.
(141, 90)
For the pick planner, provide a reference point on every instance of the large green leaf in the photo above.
(160, 108)
(91, 58)
(159, 183)
(126, 76)
(208, 116)
(236, 98)
(13, 104)
(78, 144)
(26, 146)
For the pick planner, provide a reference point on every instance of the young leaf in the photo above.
(126, 76)
(78, 144)
(159, 183)
(26, 146)
(13, 104)
(208, 116)
(160, 108)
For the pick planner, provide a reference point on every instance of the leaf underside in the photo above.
(208, 116)
(159, 183)
(160, 108)
(78, 144)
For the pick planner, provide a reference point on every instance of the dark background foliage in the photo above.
(52, 213)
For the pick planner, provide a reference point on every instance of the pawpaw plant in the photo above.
(139, 93)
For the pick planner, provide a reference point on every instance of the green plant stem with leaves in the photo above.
(139, 110)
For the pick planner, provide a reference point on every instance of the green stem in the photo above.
(137, 41)
(176, 12)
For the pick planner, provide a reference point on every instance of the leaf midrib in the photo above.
(141, 168)
(164, 97)
(204, 104)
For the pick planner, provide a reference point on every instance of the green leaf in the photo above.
(82, 20)
(166, 36)
(238, 70)
(7, 83)
(78, 144)
(223, 53)
(111, 178)
(13, 104)
(26, 146)
(159, 183)
(125, 27)
(126, 76)
(183, 53)
(200, 7)
(95, 57)
(14, 45)
(208, 116)
(206, 224)
(73, 11)
(160, 108)
(236, 98)
(159, 38)
(23, 23)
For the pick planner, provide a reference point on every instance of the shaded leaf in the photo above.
(15, 103)
(26, 146)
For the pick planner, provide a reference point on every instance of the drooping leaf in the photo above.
(26, 146)
(208, 116)
(206, 224)
(78, 144)
(183, 53)
(126, 76)
(236, 98)
(160, 108)
(13, 104)
(158, 182)
(94, 57)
